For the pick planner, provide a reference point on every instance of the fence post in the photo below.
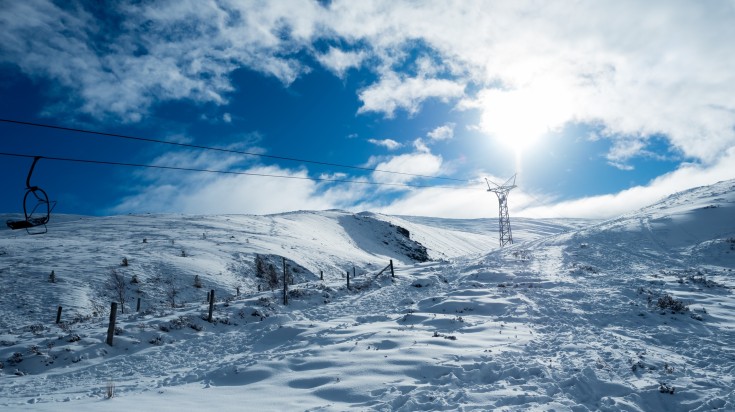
(392, 274)
(285, 284)
(211, 306)
(321, 275)
(58, 315)
(111, 327)
(348, 279)
(137, 307)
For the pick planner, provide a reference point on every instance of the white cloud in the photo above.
(541, 68)
(536, 68)
(394, 92)
(623, 150)
(420, 146)
(231, 194)
(188, 50)
(473, 201)
(606, 206)
(462, 202)
(339, 61)
(265, 189)
(227, 118)
(444, 132)
(389, 144)
(174, 191)
(419, 163)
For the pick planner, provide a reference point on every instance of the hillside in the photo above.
(633, 313)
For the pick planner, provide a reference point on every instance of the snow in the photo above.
(574, 316)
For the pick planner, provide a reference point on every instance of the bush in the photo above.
(666, 388)
(666, 302)
(116, 284)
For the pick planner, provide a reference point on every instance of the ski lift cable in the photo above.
(231, 172)
(240, 152)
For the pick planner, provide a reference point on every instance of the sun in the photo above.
(520, 117)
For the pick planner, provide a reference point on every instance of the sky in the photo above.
(398, 107)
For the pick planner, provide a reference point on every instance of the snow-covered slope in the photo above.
(166, 252)
(446, 238)
(634, 313)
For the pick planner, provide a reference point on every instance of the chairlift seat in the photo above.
(19, 224)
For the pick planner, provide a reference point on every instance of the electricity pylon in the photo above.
(506, 236)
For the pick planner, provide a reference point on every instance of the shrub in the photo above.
(259, 266)
(52, 277)
(272, 276)
(197, 282)
(667, 302)
(124, 261)
(666, 388)
(171, 293)
(117, 286)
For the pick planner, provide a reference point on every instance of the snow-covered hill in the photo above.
(634, 313)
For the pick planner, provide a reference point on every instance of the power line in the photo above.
(194, 146)
(189, 169)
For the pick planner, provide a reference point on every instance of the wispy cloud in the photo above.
(554, 65)
(622, 151)
(606, 206)
(530, 69)
(419, 163)
(395, 92)
(339, 61)
(444, 132)
(389, 144)
(170, 191)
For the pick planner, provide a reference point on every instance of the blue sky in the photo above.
(600, 107)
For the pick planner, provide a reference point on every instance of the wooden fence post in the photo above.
(348, 279)
(58, 315)
(285, 284)
(111, 327)
(137, 307)
(392, 274)
(211, 306)
(321, 275)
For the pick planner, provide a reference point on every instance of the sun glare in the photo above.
(519, 118)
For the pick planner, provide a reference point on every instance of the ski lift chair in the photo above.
(40, 213)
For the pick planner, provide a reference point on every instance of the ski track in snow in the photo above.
(566, 321)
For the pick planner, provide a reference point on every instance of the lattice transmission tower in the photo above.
(506, 236)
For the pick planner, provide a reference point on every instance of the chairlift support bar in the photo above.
(30, 221)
